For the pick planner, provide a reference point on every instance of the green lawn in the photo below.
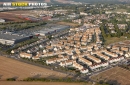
(114, 40)
(120, 10)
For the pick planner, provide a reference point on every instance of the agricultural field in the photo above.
(10, 68)
(9, 17)
(114, 40)
(116, 75)
(14, 15)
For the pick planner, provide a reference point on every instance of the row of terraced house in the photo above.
(83, 48)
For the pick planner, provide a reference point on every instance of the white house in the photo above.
(77, 51)
(76, 65)
(102, 56)
(74, 56)
(94, 58)
(66, 63)
(105, 64)
(2, 20)
(51, 61)
(28, 51)
(95, 66)
(36, 57)
(119, 52)
(60, 56)
(12, 51)
(44, 51)
(59, 59)
(84, 71)
(127, 55)
(83, 13)
(66, 58)
(110, 53)
(55, 49)
(125, 49)
(85, 61)
(25, 55)
(112, 60)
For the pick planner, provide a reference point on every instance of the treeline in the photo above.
(106, 32)
(118, 33)
(53, 79)
(125, 67)
(70, 80)
(17, 26)
(11, 79)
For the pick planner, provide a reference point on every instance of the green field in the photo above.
(120, 10)
(114, 40)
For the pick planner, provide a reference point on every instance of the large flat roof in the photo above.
(52, 28)
(7, 36)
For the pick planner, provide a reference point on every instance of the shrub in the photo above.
(11, 79)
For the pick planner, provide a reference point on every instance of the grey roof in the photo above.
(11, 36)
(52, 28)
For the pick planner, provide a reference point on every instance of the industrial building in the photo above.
(52, 29)
(2, 20)
(10, 38)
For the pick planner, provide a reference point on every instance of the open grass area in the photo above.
(68, 23)
(114, 40)
(116, 75)
(120, 10)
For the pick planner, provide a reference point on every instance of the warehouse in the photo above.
(10, 39)
(52, 29)
(2, 20)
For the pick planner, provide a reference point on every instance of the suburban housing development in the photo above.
(82, 49)
(82, 42)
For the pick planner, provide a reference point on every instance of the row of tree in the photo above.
(20, 26)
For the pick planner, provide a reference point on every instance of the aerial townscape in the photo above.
(65, 42)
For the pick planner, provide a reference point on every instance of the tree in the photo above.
(49, 37)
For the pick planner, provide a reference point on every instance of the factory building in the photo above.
(2, 20)
(10, 38)
(52, 29)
